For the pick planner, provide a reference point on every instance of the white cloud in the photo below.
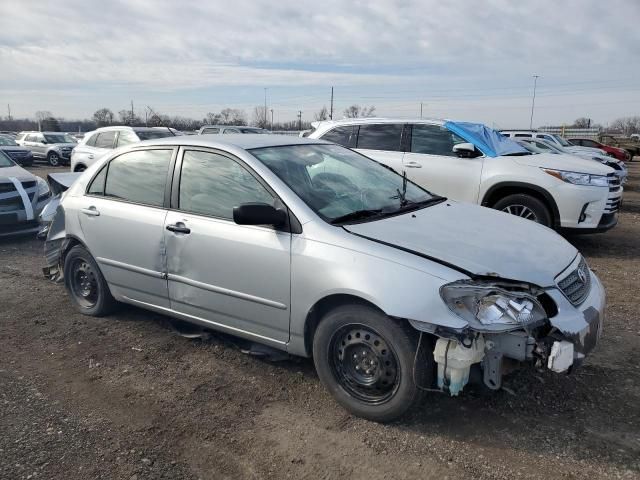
(166, 47)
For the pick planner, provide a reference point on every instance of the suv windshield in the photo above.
(150, 134)
(59, 138)
(562, 141)
(341, 185)
(5, 161)
(7, 142)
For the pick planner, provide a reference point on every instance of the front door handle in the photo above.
(179, 228)
(91, 211)
(412, 165)
(91, 157)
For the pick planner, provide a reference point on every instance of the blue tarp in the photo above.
(490, 142)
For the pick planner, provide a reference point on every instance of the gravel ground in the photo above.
(125, 397)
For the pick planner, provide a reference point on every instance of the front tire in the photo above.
(525, 206)
(53, 159)
(86, 286)
(366, 361)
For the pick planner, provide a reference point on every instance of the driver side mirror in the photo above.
(465, 150)
(256, 213)
(43, 141)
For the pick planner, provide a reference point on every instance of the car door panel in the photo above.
(122, 218)
(234, 275)
(447, 175)
(127, 241)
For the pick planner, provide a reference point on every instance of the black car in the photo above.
(22, 156)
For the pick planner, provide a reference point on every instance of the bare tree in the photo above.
(129, 118)
(103, 117)
(582, 122)
(356, 111)
(322, 115)
(627, 125)
(260, 117)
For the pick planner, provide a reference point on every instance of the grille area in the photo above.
(577, 285)
(615, 189)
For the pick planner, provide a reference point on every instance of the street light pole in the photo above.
(533, 100)
(272, 119)
(265, 108)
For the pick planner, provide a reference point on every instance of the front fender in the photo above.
(400, 284)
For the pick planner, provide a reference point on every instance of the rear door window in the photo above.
(126, 137)
(345, 135)
(139, 177)
(384, 136)
(210, 131)
(105, 139)
(433, 140)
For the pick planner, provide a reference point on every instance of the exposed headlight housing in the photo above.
(43, 189)
(491, 308)
(577, 178)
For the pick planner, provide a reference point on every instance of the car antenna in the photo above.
(160, 120)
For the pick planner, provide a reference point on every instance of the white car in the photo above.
(101, 141)
(554, 139)
(473, 163)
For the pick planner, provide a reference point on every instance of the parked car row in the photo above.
(309, 247)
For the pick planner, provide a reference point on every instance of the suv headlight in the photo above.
(43, 189)
(492, 308)
(579, 178)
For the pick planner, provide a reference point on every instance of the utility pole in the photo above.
(132, 115)
(272, 119)
(265, 108)
(9, 110)
(299, 119)
(331, 111)
(533, 100)
(420, 109)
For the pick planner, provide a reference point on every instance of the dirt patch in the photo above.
(125, 397)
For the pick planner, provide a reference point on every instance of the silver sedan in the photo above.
(312, 248)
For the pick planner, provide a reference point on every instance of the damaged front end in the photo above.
(511, 322)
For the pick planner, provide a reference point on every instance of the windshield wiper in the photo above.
(409, 206)
(356, 215)
(517, 154)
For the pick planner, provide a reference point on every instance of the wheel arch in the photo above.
(325, 305)
(503, 189)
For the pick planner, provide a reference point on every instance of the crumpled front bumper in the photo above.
(582, 325)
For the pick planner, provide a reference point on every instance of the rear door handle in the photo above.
(91, 157)
(179, 228)
(412, 165)
(91, 211)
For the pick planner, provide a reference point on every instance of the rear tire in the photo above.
(366, 361)
(525, 206)
(86, 286)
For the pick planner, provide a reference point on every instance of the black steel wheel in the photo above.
(364, 364)
(84, 283)
(87, 287)
(369, 363)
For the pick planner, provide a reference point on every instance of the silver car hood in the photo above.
(478, 240)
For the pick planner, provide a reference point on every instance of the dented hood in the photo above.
(476, 239)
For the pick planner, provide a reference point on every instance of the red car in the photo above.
(616, 152)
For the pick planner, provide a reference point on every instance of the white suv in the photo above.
(102, 140)
(555, 139)
(473, 163)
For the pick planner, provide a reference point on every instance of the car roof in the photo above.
(364, 120)
(244, 141)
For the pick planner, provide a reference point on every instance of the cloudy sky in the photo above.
(470, 59)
